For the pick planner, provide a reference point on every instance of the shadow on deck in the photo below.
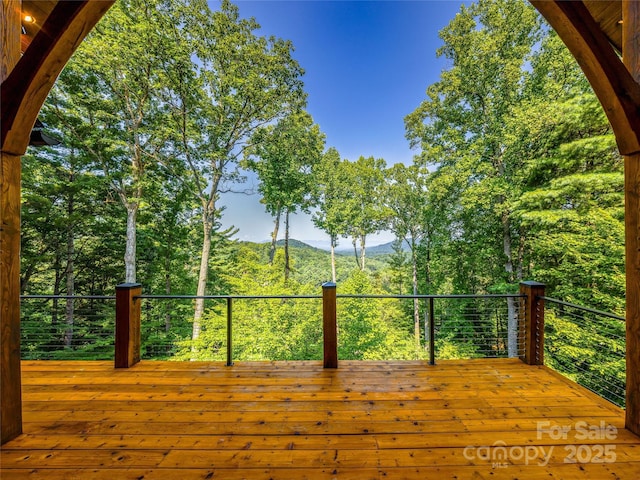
(294, 420)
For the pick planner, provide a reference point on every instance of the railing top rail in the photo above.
(251, 297)
(586, 309)
(515, 295)
(223, 297)
(70, 297)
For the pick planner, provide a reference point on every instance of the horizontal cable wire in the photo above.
(588, 346)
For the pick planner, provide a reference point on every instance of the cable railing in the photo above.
(587, 346)
(454, 326)
(62, 327)
(279, 327)
(259, 326)
(584, 344)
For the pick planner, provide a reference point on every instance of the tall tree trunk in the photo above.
(167, 286)
(506, 245)
(69, 310)
(287, 266)
(363, 240)
(274, 237)
(355, 252)
(512, 314)
(520, 264)
(56, 286)
(427, 268)
(333, 258)
(209, 212)
(416, 303)
(130, 250)
(207, 225)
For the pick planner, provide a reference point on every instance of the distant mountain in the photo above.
(312, 265)
(384, 249)
(298, 244)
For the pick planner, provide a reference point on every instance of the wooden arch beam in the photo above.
(26, 82)
(29, 82)
(612, 82)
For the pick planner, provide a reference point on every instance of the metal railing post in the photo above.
(229, 331)
(127, 341)
(533, 322)
(329, 325)
(432, 333)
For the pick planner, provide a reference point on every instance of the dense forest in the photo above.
(516, 177)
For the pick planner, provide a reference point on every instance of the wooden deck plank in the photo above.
(290, 458)
(567, 472)
(283, 414)
(298, 442)
(295, 420)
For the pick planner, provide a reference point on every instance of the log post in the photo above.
(10, 377)
(533, 322)
(128, 307)
(329, 325)
(631, 59)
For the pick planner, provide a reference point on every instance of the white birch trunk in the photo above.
(363, 240)
(416, 303)
(512, 318)
(130, 250)
(71, 251)
(333, 258)
(202, 277)
(287, 266)
(274, 238)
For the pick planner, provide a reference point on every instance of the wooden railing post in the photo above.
(533, 322)
(329, 325)
(127, 324)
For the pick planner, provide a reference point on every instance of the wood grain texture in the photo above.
(127, 341)
(607, 15)
(10, 35)
(533, 322)
(10, 384)
(631, 45)
(296, 420)
(329, 325)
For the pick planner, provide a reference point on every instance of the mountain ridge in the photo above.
(382, 249)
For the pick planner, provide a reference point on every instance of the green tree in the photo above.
(333, 186)
(407, 200)
(573, 206)
(463, 122)
(237, 83)
(284, 156)
(364, 209)
(105, 99)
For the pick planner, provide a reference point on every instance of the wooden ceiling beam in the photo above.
(612, 82)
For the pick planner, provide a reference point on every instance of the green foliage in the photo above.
(371, 329)
(588, 349)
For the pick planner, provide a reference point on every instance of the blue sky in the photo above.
(367, 65)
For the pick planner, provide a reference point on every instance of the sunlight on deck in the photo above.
(295, 420)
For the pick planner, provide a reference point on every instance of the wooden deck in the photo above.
(367, 420)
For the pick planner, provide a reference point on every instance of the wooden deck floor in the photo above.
(367, 420)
